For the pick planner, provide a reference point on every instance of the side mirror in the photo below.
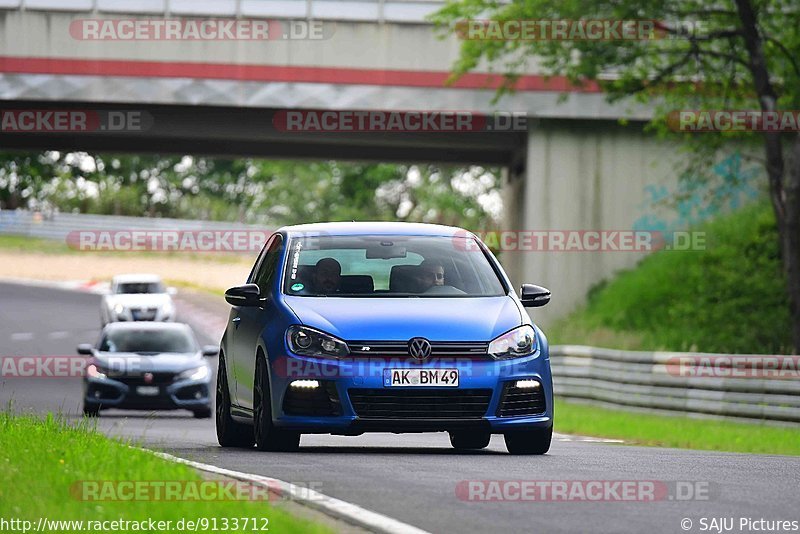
(533, 296)
(85, 348)
(171, 291)
(246, 295)
(210, 350)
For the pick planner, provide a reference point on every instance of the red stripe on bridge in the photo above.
(276, 73)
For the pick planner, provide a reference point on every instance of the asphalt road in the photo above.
(413, 478)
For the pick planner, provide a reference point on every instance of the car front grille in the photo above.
(139, 379)
(143, 314)
(516, 401)
(439, 349)
(398, 403)
(319, 401)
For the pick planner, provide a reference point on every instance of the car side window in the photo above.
(251, 278)
(269, 265)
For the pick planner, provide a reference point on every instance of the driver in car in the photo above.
(327, 276)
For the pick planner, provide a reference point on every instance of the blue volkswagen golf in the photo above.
(346, 328)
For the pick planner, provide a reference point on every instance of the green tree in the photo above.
(730, 54)
(267, 192)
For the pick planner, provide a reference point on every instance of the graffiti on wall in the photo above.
(733, 183)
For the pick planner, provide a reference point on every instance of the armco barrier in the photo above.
(648, 381)
(57, 226)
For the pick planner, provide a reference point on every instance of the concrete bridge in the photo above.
(571, 167)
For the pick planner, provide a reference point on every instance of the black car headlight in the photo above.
(306, 341)
(513, 344)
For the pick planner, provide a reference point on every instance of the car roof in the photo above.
(375, 228)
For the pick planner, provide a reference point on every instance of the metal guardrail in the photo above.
(57, 226)
(651, 381)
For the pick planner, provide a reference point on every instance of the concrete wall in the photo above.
(582, 175)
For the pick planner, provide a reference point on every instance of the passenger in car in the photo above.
(429, 274)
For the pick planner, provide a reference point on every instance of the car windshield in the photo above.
(148, 341)
(389, 266)
(140, 287)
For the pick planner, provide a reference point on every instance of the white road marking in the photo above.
(584, 439)
(59, 334)
(349, 512)
(21, 336)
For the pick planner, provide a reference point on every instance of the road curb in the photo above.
(336, 508)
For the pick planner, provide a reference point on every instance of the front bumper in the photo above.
(476, 404)
(123, 394)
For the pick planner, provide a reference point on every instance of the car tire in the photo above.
(230, 433)
(91, 410)
(268, 437)
(202, 414)
(536, 441)
(470, 440)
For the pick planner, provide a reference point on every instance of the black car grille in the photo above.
(420, 404)
(439, 349)
(320, 401)
(516, 401)
(139, 379)
(143, 314)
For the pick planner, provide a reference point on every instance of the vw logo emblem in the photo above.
(419, 348)
(148, 378)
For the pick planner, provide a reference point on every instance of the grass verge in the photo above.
(729, 298)
(669, 431)
(43, 461)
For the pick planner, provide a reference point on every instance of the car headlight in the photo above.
(94, 372)
(119, 309)
(306, 341)
(518, 342)
(198, 373)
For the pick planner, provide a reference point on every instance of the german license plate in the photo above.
(147, 391)
(420, 377)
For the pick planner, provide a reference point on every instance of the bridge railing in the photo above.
(752, 387)
(409, 11)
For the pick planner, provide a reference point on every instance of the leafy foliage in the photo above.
(729, 298)
(254, 191)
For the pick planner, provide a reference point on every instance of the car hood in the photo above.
(393, 319)
(167, 362)
(150, 300)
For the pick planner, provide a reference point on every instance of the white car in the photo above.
(137, 297)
